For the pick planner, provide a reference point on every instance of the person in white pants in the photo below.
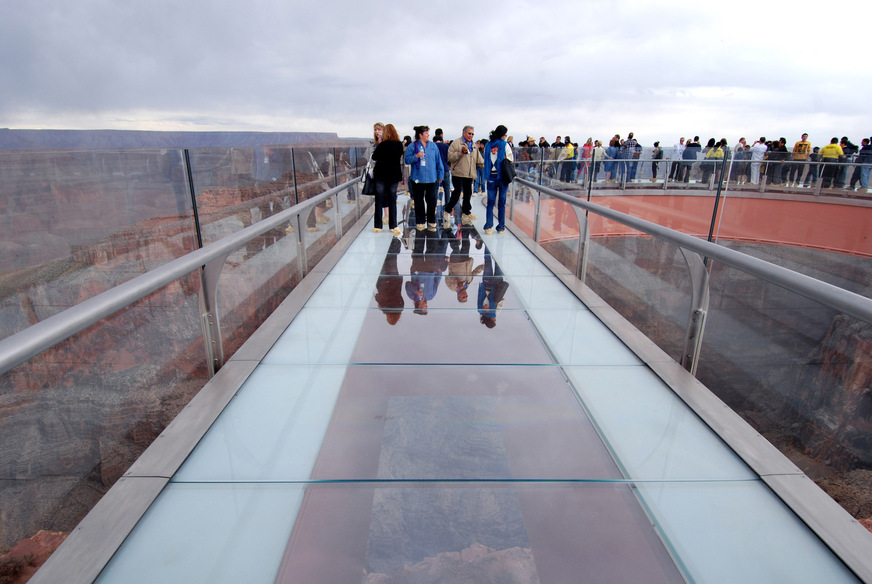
(758, 149)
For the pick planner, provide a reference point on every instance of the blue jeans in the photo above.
(385, 196)
(479, 180)
(496, 189)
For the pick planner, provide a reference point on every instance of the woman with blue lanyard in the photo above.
(426, 174)
(495, 151)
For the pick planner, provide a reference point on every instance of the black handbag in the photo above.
(368, 186)
(507, 171)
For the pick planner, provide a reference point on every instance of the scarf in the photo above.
(501, 153)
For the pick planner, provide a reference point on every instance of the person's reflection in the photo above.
(428, 263)
(563, 215)
(491, 291)
(389, 286)
(460, 264)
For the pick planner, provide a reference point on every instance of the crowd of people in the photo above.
(458, 167)
(465, 167)
(802, 166)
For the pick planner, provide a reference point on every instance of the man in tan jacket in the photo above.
(464, 159)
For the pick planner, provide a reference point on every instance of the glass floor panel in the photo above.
(335, 533)
(443, 410)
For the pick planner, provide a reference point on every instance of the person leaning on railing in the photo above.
(597, 155)
(830, 156)
(861, 171)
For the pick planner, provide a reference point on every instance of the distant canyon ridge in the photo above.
(97, 139)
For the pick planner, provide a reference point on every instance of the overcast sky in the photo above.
(658, 68)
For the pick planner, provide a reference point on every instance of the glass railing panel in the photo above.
(688, 212)
(647, 281)
(559, 231)
(522, 208)
(797, 217)
(75, 417)
(76, 223)
(352, 162)
(797, 372)
(255, 279)
(237, 187)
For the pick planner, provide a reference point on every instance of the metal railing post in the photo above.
(511, 196)
(338, 219)
(209, 317)
(699, 281)
(189, 176)
(294, 171)
(583, 241)
(537, 198)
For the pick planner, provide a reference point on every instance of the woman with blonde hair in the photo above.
(378, 130)
(386, 175)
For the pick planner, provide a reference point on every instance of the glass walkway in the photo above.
(441, 408)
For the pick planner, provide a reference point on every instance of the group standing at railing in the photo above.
(839, 164)
(464, 167)
(431, 163)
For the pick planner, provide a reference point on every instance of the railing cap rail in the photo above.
(23, 345)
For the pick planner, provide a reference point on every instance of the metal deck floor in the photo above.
(382, 441)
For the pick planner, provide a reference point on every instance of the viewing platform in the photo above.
(453, 406)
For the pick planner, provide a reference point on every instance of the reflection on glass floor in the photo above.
(444, 410)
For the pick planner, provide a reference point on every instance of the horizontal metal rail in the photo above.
(827, 294)
(21, 346)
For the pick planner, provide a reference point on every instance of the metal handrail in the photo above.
(21, 346)
(827, 294)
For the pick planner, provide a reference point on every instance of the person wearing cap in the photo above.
(495, 151)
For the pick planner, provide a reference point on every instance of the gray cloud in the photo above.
(555, 68)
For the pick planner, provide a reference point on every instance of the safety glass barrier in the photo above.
(561, 231)
(76, 416)
(779, 332)
(796, 371)
(81, 225)
(647, 281)
(76, 223)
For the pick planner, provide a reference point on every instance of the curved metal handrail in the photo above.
(21, 346)
(828, 294)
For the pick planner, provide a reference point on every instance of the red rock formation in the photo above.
(23, 560)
